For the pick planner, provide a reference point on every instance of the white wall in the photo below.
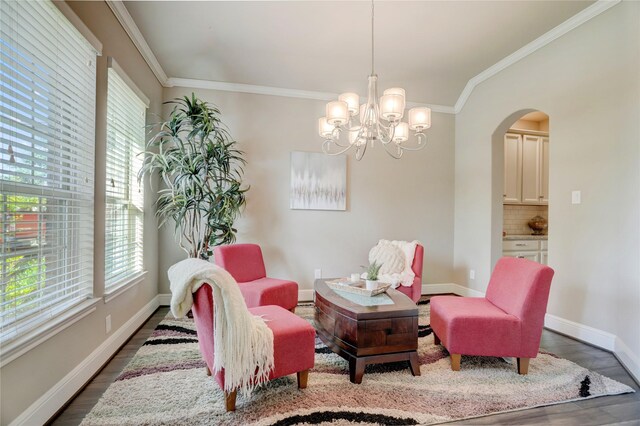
(588, 82)
(32, 375)
(411, 198)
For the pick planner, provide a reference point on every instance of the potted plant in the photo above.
(372, 276)
(201, 170)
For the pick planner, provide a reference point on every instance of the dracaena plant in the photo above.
(201, 170)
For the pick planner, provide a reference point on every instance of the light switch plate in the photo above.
(472, 274)
(576, 197)
(317, 273)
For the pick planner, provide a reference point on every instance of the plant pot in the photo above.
(371, 284)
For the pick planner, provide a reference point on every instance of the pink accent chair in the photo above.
(506, 323)
(415, 290)
(244, 262)
(293, 341)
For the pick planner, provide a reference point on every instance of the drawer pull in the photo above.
(521, 245)
(520, 257)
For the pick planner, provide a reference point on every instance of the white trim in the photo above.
(277, 91)
(305, 295)
(79, 25)
(164, 299)
(123, 286)
(122, 14)
(628, 359)
(14, 349)
(450, 288)
(585, 333)
(48, 404)
(575, 21)
(113, 64)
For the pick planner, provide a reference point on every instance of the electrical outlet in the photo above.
(472, 274)
(576, 197)
(317, 273)
(107, 321)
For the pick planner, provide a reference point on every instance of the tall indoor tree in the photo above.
(201, 169)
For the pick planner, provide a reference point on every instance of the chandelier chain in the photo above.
(372, 38)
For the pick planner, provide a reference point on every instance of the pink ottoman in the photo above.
(293, 340)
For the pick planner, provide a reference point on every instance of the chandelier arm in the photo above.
(335, 137)
(360, 150)
(397, 155)
(327, 150)
(422, 143)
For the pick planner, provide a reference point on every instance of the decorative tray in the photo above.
(357, 287)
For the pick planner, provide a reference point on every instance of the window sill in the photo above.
(123, 286)
(23, 344)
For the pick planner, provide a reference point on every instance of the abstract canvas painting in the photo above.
(318, 181)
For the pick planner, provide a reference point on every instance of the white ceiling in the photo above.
(431, 48)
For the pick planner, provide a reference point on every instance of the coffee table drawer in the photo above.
(388, 335)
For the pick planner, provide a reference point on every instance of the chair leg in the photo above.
(293, 310)
(303, 376)
(436, 339)
(208, 371)
(455, 362)
(523, 365)
(230, 400)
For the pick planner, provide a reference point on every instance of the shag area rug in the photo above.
(165, 384)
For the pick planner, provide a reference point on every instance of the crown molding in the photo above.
(278, 91)
(575, 21)
(122, 14)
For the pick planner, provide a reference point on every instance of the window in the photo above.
(125, 197)
(47, 121)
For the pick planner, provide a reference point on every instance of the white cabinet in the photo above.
(526, 169)
(535, 250)
(512, 168)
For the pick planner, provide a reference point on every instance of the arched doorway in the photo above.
(519, 184)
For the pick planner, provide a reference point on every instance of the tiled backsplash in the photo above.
(516, 218)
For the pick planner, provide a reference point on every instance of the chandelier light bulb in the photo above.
(396, 91)
(419, 118)
(352, 100)
(337, 113)
(401, 133)
(324, 129)
(391, 107)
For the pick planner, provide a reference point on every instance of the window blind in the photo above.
(124, 196)
(47, 133)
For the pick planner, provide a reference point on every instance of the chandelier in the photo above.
(377, 120)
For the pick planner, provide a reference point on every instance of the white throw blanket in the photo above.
(243, 344)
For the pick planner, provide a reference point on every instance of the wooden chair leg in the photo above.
(303, 376)
(208, 371)
(523, 365)
(293, 310)
(436, 339)
(230, 400)
(455, 362)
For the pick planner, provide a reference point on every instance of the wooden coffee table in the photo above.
(367, 334)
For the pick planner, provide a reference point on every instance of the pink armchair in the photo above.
(506, 323)
(415, 291)
(244, 262)
(293, 341)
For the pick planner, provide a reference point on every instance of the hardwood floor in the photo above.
(620, 409)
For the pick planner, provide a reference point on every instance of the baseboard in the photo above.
(305, 295)
(585, 333)
(450, 288)
(48, 404)
(164, 299)
(628, 359)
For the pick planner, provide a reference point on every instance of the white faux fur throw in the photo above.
(243, 344)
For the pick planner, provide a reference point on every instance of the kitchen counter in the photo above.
(525, 237)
